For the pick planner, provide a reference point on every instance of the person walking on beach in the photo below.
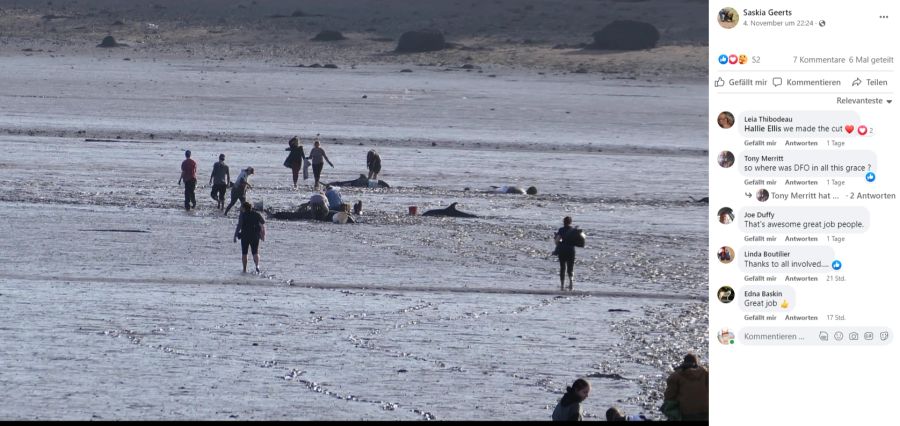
(240, 187)
(295, 159)
(373, 163)
(250, 230)
(219, 180)
(565, 250)
(189, 177)
(318, 158)
(569, 407)
(687, 391)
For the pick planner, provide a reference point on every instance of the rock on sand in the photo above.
(329, 35)
(109, 41)
(421, 41)
(626, 35)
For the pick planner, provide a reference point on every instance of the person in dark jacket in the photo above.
(373, 163)
(569, 407)
(566, 252)
(295, 158)
(249, 230)
(687, 391)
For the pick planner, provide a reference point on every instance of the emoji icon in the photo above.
(862, 130)
(849, 128)
(732, 59)
(870, 177)
(723, 59)
(838, 336)
(742, 59)
(836, 265)
(784, 304)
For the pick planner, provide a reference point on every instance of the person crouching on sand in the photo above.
(569, 407)
(687, 391)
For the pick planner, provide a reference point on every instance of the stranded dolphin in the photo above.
(449, 211)
(361, 182)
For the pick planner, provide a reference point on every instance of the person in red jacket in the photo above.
(189, 176)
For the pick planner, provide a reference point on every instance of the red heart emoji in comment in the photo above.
(849, 128)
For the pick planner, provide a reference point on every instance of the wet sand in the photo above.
(396, 317)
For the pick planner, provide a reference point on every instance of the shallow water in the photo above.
(162, 324)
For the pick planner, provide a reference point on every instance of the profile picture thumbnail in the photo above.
(726, 215)
(725, 294)
(726, 159)
(762, 195)
(725, 336)
(725, 120)
(725, 255)
(728, 17)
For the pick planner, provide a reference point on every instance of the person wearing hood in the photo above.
(687, 391)
(569, 407)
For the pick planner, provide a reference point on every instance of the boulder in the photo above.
(329, 35)
(421, 41)
(109, 41)
(626, 35)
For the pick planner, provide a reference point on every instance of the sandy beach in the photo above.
(121, 305)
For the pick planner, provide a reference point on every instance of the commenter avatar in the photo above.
(726, 215)
(725, 254)
(725, 120)
(726, 159)
(728, 17)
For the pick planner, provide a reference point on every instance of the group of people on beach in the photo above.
(251, 224)
(250, 228)
(686, 397)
